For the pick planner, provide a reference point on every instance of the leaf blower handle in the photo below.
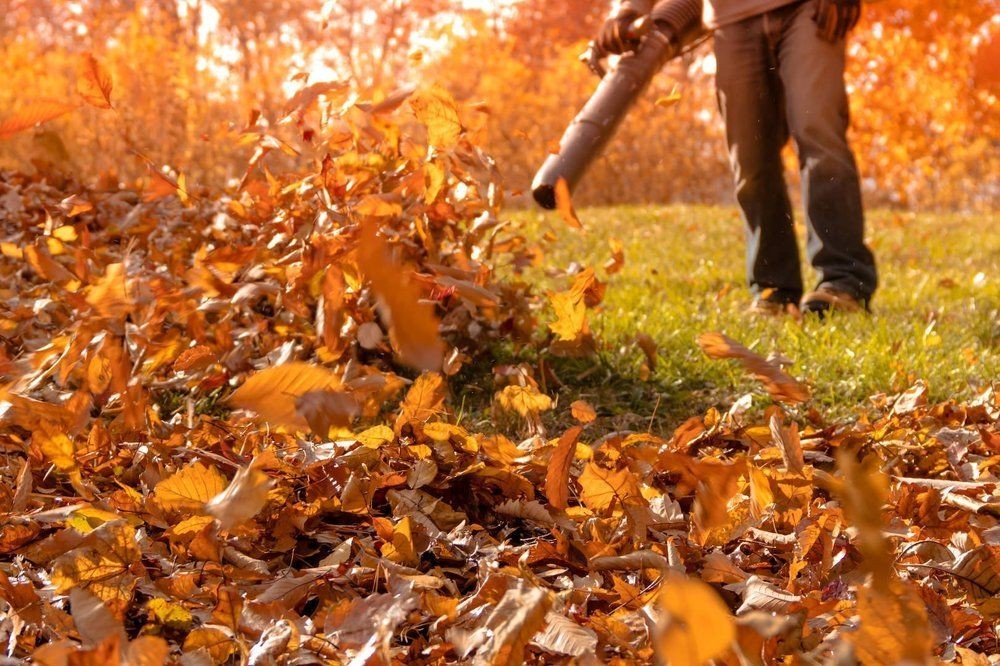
(671, 26)
(594, 56)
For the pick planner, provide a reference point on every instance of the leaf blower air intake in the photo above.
(675, 25)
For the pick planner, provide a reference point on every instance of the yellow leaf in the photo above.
(376, 436)
(94, 84)
(670, 99)
(273, 392)
(169, 614)
(89, 518)
(435, 108)
(189, 528)
(243, 499)
(696, 625)
(57, 447)
(189, 489)
(527, 401)
(401, 549)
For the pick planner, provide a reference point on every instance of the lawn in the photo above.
(936, 316)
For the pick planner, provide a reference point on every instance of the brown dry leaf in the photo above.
(789, 443)
(557, 477)
(564, 204)
(413, 326)
(217, 641)
(518, 616)
(563, 636)
(274, 393)
(74, 205)
(583, 411)
(94, 83)
(779, 385)
(33, 114)
(979, 571)
(648, 347)
(695, 626)
(325, 410)
(93, 619)
(189, 489)
(243, 499)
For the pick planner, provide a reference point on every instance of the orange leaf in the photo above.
(583, 411)
(94, 84)
(274, 392)
(564, 204)
(435, 108)
(413, 326)
(695, 626)
(779, 385)
(557, 478)
(33, 114)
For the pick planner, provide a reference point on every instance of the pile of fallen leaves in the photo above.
(206, 457)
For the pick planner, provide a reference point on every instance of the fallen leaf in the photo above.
(779, 385)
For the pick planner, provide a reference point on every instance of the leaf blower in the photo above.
(671, 27)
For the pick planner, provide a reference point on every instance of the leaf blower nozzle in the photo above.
(675, 25)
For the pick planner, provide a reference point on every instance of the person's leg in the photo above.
(812, 71)
(750, 100)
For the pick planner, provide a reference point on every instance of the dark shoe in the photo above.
(772, 304)
(829, 299)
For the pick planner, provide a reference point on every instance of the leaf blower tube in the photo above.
(676, 24)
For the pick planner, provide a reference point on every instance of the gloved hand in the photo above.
(835, 18)
(613, 38)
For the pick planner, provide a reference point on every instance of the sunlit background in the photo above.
(188, 74)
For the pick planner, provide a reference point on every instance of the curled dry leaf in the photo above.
(778, 384)
(564, 204)
(242, 499)
(557, 477)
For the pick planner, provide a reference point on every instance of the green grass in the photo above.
(933, 318)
